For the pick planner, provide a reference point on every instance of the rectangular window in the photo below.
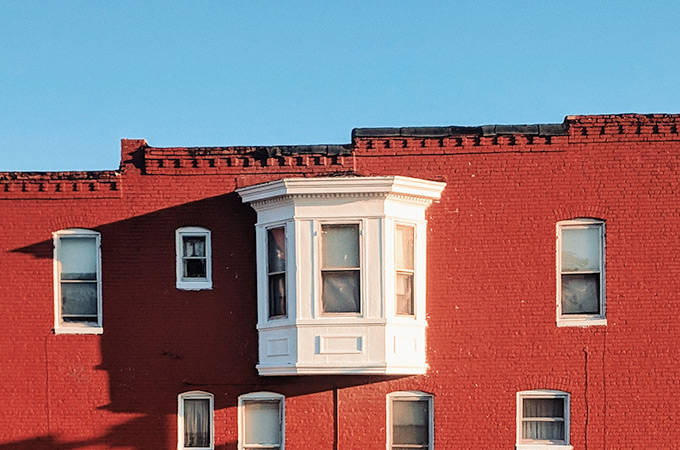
(196, 421)
(77, 281)
(261, 418)
(405, 268)
(340, 268)
(276, 267)
(581, 269)
(543, 418)
(410, 416)
(193, 258)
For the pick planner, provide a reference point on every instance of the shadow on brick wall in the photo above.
(159, 341)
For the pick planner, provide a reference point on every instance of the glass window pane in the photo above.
(277, 295)
(581, 294)
(544, 407)
(79, 299)
(276, 243)
(340, 292)
(194, 246)
(262, 424)
(197, 423)
(544, 431)
(405, 293)
(194, 268)
(410, 422)
(340, 245)
(78, 258)
(404, 247)
(581, 249)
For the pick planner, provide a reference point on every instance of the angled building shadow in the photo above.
(159, 341)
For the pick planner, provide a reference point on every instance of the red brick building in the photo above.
(489, 287)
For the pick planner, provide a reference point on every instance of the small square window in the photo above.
(194, 271)
(77, 269)
(410, 421)
(276, 269)
(542, 420)
(340, 268)
(261, 418)
(195, 421)
(581, 274)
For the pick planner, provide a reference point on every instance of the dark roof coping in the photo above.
(288, 150)
(551, 129)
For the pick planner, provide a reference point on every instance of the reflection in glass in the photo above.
(340, 271)
(410, 427)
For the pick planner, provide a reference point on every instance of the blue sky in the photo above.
(77, 76)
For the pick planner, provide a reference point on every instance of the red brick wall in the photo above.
(491, 292)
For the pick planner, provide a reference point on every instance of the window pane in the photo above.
(404, 247)
(581, 249)
(262, 425)
(78, 258)
(410, 422)
(78, 299)
(276, 243)
(340, 245)
(277, 295)
(194, 268)
(341, 291)
(581, 294)
(405, 293)
(544, 407)
(197, 423)
(545, 431)
(194, 246)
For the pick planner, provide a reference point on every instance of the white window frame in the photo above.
(193, 284)
(194, 395)
(255, 397)
(410, 396)
(269, 273)
(362, 266)
(413, 273)
(532, 444)
(566, 320)
(61, 327)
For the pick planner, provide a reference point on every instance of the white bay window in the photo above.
(341, 274)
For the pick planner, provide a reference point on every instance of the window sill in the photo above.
(78, 329)
(543, 447)
(581, 321)
(194, 285)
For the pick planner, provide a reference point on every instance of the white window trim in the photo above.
(260, 397)
(198, 283)
(542, 445)
(284, 226)
(413, 396)
(194, 395)
(416, 268)
(61, 327)
(319, 224)
(581, 320)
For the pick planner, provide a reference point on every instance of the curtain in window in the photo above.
(543, 419)
(196, 423)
